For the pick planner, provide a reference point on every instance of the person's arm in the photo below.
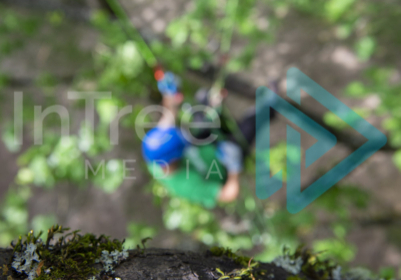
(230, 190)
(230, 155)
(171, 104)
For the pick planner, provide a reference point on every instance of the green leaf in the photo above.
(335, 248)
(356, 89)
(333, 120)
(379, 76)
(397, 159)
(235, 65)
(178, 32)
(395, 139)
(129, 60)
(336, 8)
(55, 18)
(387, 273)
(107, 110)
(196, 62)
(8, 139)
(25, 176)
(340, 231)
(198, 38)
(114, 176)
(11, 21)
(138, 232)
(247, 26)
(391, 124)
(43, 175)
(365, 48)
(42, 223)
(344, 31)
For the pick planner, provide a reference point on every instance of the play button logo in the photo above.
(297, 199)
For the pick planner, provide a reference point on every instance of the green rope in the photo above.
(122, 16)
(151, 60)
(227, 33)
(225, 46)
(233, 126)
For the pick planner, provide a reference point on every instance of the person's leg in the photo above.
(247, 125)
(202, 98)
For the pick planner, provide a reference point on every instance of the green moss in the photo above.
(313, 267)
(295, 277)
(238, 274)
(248, 265)
(220, 251)
(71, 256)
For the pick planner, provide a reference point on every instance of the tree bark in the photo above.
(174, 264)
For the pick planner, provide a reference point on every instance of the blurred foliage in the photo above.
(199, 37)
(137, 233)
(14, 214)
(21, 28)
(333, 120)
(69, 256)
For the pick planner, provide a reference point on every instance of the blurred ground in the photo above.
(300, 42)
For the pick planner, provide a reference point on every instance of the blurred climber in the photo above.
(205, 173)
